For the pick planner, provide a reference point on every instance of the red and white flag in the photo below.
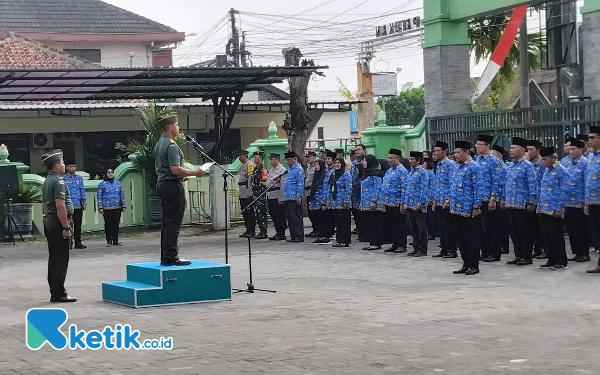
(499, 56)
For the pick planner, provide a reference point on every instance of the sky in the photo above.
(327, 31)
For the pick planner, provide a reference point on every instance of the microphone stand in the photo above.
(226, 174)
(250, 286)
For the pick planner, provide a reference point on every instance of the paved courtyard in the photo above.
(336, 311)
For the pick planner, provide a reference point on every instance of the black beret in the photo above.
(485, 138)
(547, 151)
(520, 142)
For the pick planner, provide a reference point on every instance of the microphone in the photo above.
(193, 142)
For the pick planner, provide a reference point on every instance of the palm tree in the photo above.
(143, 153)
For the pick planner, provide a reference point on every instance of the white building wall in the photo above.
(115, 54)
(335, 125)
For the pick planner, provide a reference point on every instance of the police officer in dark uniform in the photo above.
(58, 225)
(257, 182)
(168, 159)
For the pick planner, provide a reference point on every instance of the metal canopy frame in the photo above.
(225, 86)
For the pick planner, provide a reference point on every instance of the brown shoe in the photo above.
(594, 270)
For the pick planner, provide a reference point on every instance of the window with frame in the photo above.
(93, 55)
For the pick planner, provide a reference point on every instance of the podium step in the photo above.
(150, 284)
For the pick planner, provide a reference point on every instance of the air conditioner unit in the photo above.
(43, 140)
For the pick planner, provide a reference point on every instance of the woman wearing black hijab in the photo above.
(111, 202)
(340, 185)
(370, 205)
(320, 197)
(386, 229)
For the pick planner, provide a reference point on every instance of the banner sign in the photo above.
(385, 84)
(398, 27)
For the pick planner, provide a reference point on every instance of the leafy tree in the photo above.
(407, 108)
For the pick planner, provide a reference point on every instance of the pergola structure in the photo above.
(223, 86)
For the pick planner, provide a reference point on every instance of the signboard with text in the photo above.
(385, 84)
(399, 27)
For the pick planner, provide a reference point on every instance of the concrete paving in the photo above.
(336, 311)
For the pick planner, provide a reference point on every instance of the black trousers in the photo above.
(112, 220)
(397, 226)
(323, 219)
(594, 218)
(293, 211)
(520, 231)
(277, 212)
(491, 238)
(248, 215)
(58, 255)
(551, 230)
(343, 223)
(433, 223)
(578, 228)
(418, 227)
(372, 224)
(172, 198)
(503, 230)
(355, 214)
(536, 237)
(77, 220)
(447, 239)
(360, 218)
(468, 232)
(311, 217)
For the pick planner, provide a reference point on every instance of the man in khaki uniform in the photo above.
(246, 194)
(311, 159)
(58, 211)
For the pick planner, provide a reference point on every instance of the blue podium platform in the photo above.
(150, 284)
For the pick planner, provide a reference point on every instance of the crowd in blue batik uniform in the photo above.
(110, 195)
(293, 188)
(521, 185)
(554, 189)
(577, 172)
(492, 173)
(592, 186)
(394, 186)
(444, 176)
(370, 189)
(467, 191)
(417, 191)
(76, 189)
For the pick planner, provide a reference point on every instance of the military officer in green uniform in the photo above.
(168, 159)
(58, 225)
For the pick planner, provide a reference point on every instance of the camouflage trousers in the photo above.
(260, 213)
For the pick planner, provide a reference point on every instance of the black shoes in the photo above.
(439, 255)
(472, 271)
(341, 245)
(420, 254)
(490, 259)
(461, 271)
(401, 250)
(546, 266)
(261, 236)
(525, 262)
(177, 262)
(451, 256)
(295, 240)
(514, 261)
(391, 250)
(311, 235)
(582, 259)
(79, 245)
(65, 299)
(278, 237)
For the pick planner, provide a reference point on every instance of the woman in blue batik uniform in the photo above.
(111, 202)
(319, 201)
(370, 186)
(340, 186)
(431, 217)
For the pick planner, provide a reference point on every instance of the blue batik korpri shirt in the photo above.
(111, 195)
(431, 187)
(417, 189)
(565, 160)
(502, 197)
(539, 168)
(592, 183)
(76, 189)
(444, 174)
(521, 185)
(355, 184)
(576, 191)
(293, 187)
(322, 196)
(370, 189)
(553, 190)
(466, 191)
(394, 186)
(343, 192)
(491, 176)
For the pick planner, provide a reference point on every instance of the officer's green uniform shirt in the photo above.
(56, 188)
(166, 154)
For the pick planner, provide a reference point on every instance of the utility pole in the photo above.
(235, 38)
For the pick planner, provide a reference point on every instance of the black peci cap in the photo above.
(547, 151)
(519, 142)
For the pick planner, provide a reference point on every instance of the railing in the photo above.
(343, 143)
(545, 123)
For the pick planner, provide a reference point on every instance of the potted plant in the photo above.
(21, 207)
(141, 154)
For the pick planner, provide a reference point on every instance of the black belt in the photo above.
(177, 180)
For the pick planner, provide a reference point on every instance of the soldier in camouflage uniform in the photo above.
(257, 182)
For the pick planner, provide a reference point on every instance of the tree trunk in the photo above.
(296, 123)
